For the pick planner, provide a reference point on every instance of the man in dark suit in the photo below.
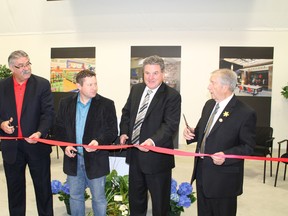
(90, 119)
(149, 170)
(26, 110)
(219, 180)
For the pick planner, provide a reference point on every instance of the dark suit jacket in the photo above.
(160, 124)
(101, 125)
(37, 115)
(234, 134)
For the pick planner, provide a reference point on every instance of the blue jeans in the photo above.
(78, 185)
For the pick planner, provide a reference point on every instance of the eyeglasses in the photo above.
(23, 66)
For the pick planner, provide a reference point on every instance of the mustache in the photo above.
(25, 72)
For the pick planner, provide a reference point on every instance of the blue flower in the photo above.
(182, 197)
(173, 183)
(65, 188)
(173, 186)
(174, 197)
(184, 201)
(56, 186)
(185, 189)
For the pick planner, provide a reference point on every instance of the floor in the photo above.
(257, 199)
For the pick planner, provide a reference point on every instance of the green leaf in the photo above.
(4, 71)
(284, 92)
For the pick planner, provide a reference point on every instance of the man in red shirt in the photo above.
(26, 110)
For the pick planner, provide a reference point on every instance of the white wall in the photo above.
(199, 57)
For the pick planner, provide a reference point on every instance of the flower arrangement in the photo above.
(181, 197)
(116, 190)
(61, 189)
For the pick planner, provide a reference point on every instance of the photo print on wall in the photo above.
(171, 56)
(172, 59)
(254, 69)
(66, 63)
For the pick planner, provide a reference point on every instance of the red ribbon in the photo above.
(151, 148)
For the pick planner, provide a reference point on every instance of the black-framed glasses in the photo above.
(21, 66)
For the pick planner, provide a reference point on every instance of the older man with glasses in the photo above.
(26, 110)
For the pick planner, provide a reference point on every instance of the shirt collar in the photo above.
(16, 84)
(153, 90)
(79, 101)
(224, 103)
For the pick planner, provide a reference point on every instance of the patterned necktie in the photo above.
(208, 128)
(140, 118)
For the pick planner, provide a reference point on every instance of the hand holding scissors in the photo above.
(7, 127)
(187, 125)
(188, 131)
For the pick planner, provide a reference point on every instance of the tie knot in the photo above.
(149, 91)
(216, 107)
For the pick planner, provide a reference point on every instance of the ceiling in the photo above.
(245, 63)
(50, 17)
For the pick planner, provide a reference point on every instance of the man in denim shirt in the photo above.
(86, 118)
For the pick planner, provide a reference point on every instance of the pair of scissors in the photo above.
(186, 123)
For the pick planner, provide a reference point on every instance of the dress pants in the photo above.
(159, 186)
(212, 206)
(16, 183)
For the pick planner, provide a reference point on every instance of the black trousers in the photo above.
(16, 183)
(159, 186)
(212, 206)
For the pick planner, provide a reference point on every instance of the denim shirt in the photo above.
(81, 115)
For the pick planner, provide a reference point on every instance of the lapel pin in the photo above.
(226, 114)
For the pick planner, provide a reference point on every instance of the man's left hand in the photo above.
(31, 140)
(218, 160)
(147, 142)
(92, 143)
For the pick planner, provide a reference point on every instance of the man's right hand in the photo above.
(123, 139)
(188, 133)
(70, 151)
(7, 127)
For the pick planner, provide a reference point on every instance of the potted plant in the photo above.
(284, 91)
(116, 190)
(181, 197)
(4, 71)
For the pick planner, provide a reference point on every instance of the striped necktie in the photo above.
(208, 128)
(140, 118)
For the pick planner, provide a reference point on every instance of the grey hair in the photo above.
(16, 55)
(154, 60)
(227, 77)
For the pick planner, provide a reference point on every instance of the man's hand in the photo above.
(148, 142)
(123, 139)
(188, 133)
(70, 151)
(31, 140)
(92, 143)
(7, 127)
(218, 160)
